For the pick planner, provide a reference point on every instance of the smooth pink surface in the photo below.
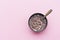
(14, 15)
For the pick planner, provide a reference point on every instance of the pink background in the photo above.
(14, 15)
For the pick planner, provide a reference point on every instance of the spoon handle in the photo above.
(48, 12)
